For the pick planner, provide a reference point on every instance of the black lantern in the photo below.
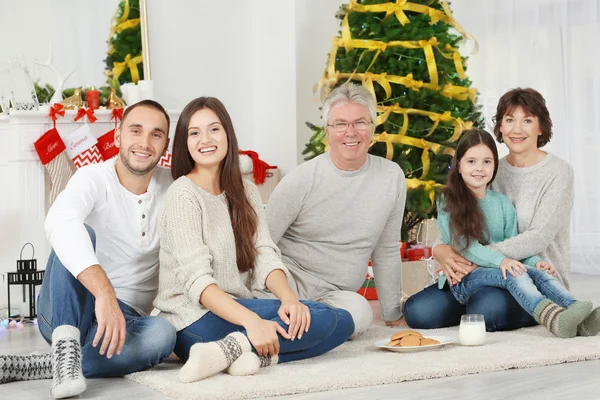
(27, 276)
(27, 265)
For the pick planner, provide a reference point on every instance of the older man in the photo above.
(334, 212)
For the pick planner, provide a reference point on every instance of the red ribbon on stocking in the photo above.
(86, 112)
(57, 110)
(117, 115)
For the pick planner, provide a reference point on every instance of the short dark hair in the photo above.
(150, 104)
(532, 103)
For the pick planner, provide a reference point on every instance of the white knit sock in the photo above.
(267, 361)
(67, 380)
(250, 363)
(24, 368)
(207, 359)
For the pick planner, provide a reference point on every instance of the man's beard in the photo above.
(124, 156)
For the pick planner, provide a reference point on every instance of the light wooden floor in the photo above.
(566, 381)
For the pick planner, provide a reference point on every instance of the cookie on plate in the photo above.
(407, 332)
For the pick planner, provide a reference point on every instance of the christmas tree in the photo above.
(124, 60)
(406, 54)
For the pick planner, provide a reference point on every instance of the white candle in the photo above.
(146, 89)
(124, 91)
(133, 95)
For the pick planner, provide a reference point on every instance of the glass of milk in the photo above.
(472, 330)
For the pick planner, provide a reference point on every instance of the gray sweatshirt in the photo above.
(328, 222)
(543, 196)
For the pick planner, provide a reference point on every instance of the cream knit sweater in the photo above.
(197, 249)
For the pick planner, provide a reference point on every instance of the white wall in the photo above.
(77, 29)
(242, 52)
(316, 26)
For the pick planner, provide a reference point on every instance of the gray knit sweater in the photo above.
(543, 197)
(197, 249)
(328, 222)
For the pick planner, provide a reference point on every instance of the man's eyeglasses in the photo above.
(359, 126)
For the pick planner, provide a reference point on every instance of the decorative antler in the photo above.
(57, 97)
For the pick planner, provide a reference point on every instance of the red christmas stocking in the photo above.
(50, 148)
(259, 167)
(106, 145)
(165, 160)
(81, 147)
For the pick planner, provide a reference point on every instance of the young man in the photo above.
(102, 274)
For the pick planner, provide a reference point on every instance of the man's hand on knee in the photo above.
(111, 322)
(111, 325)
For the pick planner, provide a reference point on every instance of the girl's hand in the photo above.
(514, 267)
(296, 315)
(262, 334)
(544, 266)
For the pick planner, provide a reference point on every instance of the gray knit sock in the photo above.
(25, 368)
(68, 377)
(562, 322)
(591, 325)
(207, 359)
(250, 363)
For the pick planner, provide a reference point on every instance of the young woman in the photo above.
(216, 249)
(470, 215)
(540, 186)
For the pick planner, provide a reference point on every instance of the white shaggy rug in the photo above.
(359, 363)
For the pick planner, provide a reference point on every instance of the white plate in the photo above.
(444, 340)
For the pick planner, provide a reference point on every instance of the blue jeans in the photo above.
(63, 300)
(433, 308)
(529, 289)
(329, 328)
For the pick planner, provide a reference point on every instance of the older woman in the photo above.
(540, 185)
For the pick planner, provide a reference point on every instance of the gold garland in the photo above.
(131, 62)
(428, 186)
(400, 6)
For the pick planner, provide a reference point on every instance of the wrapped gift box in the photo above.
(414, 277)
(367, 290)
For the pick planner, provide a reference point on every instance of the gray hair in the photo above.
(350, 93)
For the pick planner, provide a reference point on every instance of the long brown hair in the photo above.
(243, 216)
(532, 103)
(467, 222)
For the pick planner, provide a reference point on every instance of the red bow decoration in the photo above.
(259, 167)
(87, 112)
(117, 115)
(57, 110)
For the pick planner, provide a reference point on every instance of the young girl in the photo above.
(216, 249)
(470, 216)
